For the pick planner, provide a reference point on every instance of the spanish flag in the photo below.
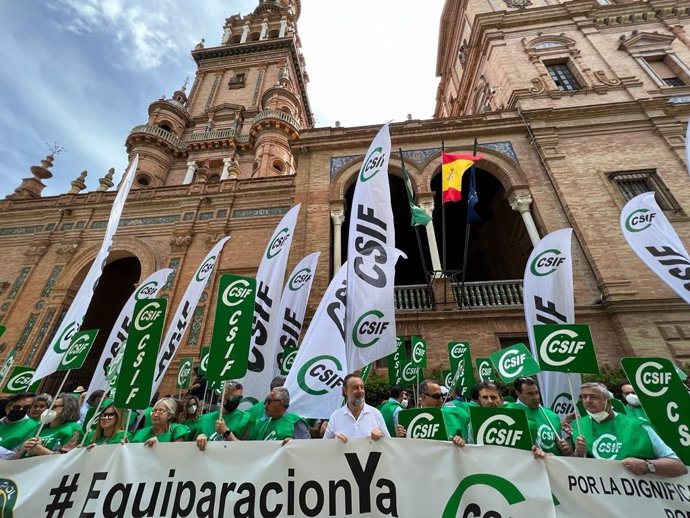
(454, 166)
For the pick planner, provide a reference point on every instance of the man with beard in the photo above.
(356, 418)
(16, 427)
(233, 424)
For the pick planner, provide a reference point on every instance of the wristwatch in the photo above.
(226, 434)
(651, 468)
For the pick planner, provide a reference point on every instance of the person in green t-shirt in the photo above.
(234, 424)
(63, 432)
(258, 410)
(633, 407)
(41, 404)
(163, 428)
(397, 400)
(545, 424)
(16, 427)
(110, 428)
(279, 424)
(605, 434)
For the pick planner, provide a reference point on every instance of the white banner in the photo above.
(549, 299)
(592, 487)
(269, 287)
(293, 306)
(75, 314)
(406, 478)
(653, 239)
(371, 256)
(316, 377)
(178, 325)
(148, 289)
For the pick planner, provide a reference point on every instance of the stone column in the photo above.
(428, 207)
(283, 27)
(245, 33)
(264, 30)
(521, 203)
(338, 217)
(227, 162)
(191, 169)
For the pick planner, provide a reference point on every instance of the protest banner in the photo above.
(423, 423)
(513, 362)
(665, 400)
(232, 329)
(133, 387)
(500, 427)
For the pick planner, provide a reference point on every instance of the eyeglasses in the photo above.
(58, 406)
(436, 396)
(159, 411)
(23, 408)
(108, 416)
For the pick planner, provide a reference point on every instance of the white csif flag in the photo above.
(316, 377)
(269, 287)
(371, 258)
(549, 299)
(178, 324)
(653, 239)
(74, 317)
(147, 289)
(293, 306)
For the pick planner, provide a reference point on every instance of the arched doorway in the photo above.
(407, 271)
(498, 245)
(115, 286)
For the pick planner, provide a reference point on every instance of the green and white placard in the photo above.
(7, 364)
(447, 379)
(461, 365)
(566, 348)
(410, 375)
(2, 330)
(203, 359)
(133, 386)
(418, 352)
(665, 400)
(232, 332)
(20, 381)
(513, 362)
(287, 358)
(485, 371)
(366, 371)
(184, 373)
(78, 350)
(396, 362)
(423, 423)
(501, 427)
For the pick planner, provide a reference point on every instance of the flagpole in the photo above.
(443, 217)
(577, 412)
(467, 235)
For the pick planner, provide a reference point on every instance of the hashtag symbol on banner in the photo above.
(62, 497)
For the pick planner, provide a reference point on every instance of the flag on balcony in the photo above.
(472, 200)
(419, 217)
(454, 166)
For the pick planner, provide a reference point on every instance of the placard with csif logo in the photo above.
(423, 423)
(232, 330)
(20, 381)
(184, 373)
(665, 400)
(203, 359)
(133, 386)
(566, 348)
(501, 427)
(461, 366)
(418, 352)
(485, 371)
(513, 362)
(78, 350)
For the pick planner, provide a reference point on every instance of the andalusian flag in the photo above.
(454, 166)
(419, 216)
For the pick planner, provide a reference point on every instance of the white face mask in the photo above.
(404, 403)
(191, 409)
(598, 416)
(632, 400)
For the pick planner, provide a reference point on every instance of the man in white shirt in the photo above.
(356, 418)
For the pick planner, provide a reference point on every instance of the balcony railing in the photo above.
(490, 294)
(158, 132)
(211, 135)
(414, 297)
(277, 114)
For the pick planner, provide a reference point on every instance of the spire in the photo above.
(78, 184)
(33, 186)
(106, 182)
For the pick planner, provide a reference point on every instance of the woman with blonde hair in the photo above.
(110, 427)
(163, 428)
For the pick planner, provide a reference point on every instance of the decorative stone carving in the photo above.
(179, 244)
(106, 182)
(517, 4)
(601, 76)
(212, 239)
(539, 86)
(35, 252)
(65, 251)
(78, 184)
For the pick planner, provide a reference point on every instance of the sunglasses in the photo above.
(436, 396)
(108, 415)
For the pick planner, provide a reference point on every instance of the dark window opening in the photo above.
(563, 77)
(634, 183)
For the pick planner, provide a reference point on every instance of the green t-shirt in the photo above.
(191, 425)
(276, 429)
(238, 422)
(58, 436)
(637, 412)
(258, 410)
(614, 439)
(176, 431)
(387, 410)
(14, 434)
(542, 423)
(115, 439)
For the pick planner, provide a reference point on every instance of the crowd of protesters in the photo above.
(32, 425)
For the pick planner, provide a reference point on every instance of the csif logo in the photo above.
(205, 269)
(8, 497)
(485, 370)
(300, 279)
(324, 372)
(409, 373)
(147, 291)
(369, 324)
(65, 339)
(204, 362)
(288, 360)
(236, 292)
(82, 342)
(545, 437)
(372, 165)
(458, 350)
(639, 220)
(449, 380)
(147, 316)
(651, 379)
(496, 431)
(20, 382)
(606, 447)
(511, 363)
(184, 373)
(277, 244)
(510, 493)
(418, 351)
(563, 404)
(547, 262)
(422, 427)
(561, 347)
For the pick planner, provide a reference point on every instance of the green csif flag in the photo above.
(7, 365)
(418, 352)
(366, 371)
(484, 369)
(423, 423)
(513, 362)
(461, 366)
(184, 373)
(501, 427)
(396, 362)
(419, 216)
(665, 400)
(287, 358)
(20, 381)
(78, 350)
(565, 348)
